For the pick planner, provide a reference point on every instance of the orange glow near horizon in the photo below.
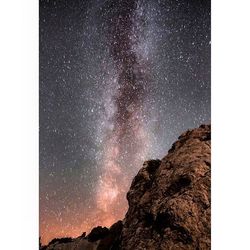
(110, 199)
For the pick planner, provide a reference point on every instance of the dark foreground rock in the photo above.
(98, 233)
(100, 238)
(169, 203)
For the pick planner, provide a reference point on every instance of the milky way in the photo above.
(119, 81)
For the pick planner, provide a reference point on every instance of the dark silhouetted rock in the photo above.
(83, 235)
(98, 233)
(169, 200)
(113, 240)
(61, 240)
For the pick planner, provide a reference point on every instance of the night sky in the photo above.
(119, 82)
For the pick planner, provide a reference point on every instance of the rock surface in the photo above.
(100, 238)
(98, 233)
(169, 203)
(169, 200)
(76, 244)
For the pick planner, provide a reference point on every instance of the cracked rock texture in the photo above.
(169, 200)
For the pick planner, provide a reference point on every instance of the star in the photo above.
(119, 81)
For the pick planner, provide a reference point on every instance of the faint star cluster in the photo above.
(119, 81)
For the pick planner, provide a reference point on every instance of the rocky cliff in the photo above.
(169, 200)
(169, 203)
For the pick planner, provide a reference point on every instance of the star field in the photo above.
(119, 81)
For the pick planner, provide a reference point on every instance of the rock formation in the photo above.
(100, 238)
(169, 203)
(169, 200)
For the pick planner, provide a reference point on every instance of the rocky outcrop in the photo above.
(98, 233)
(169, 203)
(169, 200)
(113, 240)
(100, 238)
(75, 244)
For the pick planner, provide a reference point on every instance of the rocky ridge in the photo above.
(169, 203)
